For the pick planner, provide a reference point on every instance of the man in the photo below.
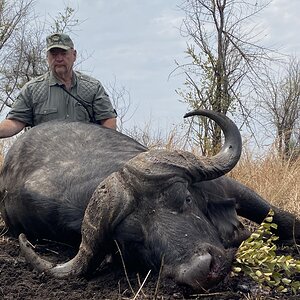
(60, 94)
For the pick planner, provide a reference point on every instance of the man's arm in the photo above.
(10, 127)
(110, 123)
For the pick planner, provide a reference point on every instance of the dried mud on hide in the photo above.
(19, 281)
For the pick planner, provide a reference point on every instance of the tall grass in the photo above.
(275, 180)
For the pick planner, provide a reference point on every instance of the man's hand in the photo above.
(110, 123)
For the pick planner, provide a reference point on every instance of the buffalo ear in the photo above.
(222, 213)
(110, 203)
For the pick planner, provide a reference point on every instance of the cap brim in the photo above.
(58, 46)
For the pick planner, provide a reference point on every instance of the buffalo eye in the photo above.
(187, 203)
(188, 199)
(176, 197)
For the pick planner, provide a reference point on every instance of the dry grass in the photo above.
(275, 180)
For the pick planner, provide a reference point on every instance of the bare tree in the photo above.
(225, 56)
(281, 99)
(26, 60)
(121, 101)
(24, 55)
(12, 17)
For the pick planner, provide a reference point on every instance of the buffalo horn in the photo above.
(230, 152)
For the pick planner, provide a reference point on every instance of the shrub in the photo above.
(257, 258)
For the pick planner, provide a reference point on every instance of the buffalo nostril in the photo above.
(196, 272)
(202, 263)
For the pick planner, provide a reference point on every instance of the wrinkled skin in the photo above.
(91, 185)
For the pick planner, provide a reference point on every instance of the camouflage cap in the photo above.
(59, 40)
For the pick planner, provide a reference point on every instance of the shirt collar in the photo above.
(54, 81)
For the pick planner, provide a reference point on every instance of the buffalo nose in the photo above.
(196, 272)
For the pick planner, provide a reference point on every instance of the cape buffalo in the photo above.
(83, 183)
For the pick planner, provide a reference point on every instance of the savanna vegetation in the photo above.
(217, 77)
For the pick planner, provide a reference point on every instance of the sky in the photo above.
(133, 44)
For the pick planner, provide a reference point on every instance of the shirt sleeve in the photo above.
(21, 109)
(102, 105)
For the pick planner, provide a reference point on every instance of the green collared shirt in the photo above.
(42, 100)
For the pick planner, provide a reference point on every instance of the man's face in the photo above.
(61, 61)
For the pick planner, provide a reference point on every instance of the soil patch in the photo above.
(19, 281)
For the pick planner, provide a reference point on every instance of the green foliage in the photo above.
(257, 258)
(65, 21)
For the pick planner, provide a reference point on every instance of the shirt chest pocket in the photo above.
(45, 114)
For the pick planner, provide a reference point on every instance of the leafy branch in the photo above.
(257, 258)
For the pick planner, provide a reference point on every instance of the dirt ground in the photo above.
(19, 281)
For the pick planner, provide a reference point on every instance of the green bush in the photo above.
(257, 258)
